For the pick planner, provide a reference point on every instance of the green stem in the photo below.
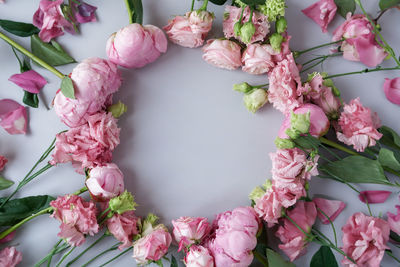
(31, 56)
(360, 72)
(337, 146)
(322, 57)
(65, 256)
(241, 15)
(260, 258)
(331, 223)
(204, 6)
(130, 11)
(114, 247)
(299, 53)
(192, 6)
(86, 250)
(119, 255)
(103, 213)
(50, 255)
(389, 253)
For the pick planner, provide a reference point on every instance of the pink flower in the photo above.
(322, 12)
(77, 217)
(360, 43)
(153, 246)
(8, 238)
(330, 208)
(135, 46)
(50, 20)
(30, 81)
(259, 20)
(394, 220)
(391, 87)
(358, 126)
(199, 256)
(364, 240)
(374, 196)
(284, 81)
(257, 58)
(123, 227)
(3, 162)
(10, 257)
(13, 117)
(222, 54)
(105, 182)
(188, 230)
(189, 30)
(285, 49)
(84, 12)
(295, 241)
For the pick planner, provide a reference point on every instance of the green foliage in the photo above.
(345, 6)
(274, 259)
(388, 159)
(5, 183)
(385, 4)
(31, 99)
(67, 87)
(324, 258)
(52, 53)
(18, 28)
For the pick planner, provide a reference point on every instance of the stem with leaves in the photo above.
(299, 53)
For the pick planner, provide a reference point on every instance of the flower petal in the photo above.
(331, 208)
(30, 81)
(13, 117)
(374, 196)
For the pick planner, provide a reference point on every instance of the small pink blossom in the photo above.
(123, 227)
(199, 256)
(10, 257)
(13, 117)
(330, 208)
(358, 126)
(135, 46)
(30, 81)
(391, 87)
(189, 230)
(105, 182)
(374, 196)
(3, 162)
(222, 54)
(257, 58)
(365, 240)
(322, 12)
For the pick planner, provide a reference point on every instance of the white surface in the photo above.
(188, 145)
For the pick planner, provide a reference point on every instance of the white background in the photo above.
(188, 145)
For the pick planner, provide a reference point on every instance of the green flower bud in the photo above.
(122, 203)
(300, 122)
(243, 87)
(268, 184)
(273, 9)
(247, 31)
(149, 223)
(256, 194)
(276, 40)
(255, 99)
(293, 134)
(281, 25)
(240, 3)
(284, 143)
(236, 28)
(329, 83)
(117, 109)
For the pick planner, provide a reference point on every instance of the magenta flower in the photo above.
(3, 162)
(394, 220)
(391, 87)
(13, 117)
(322, 12)
(330, 208)
(8, 237)
(10, 257)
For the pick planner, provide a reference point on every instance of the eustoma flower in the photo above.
(10, 257)
(13, 117)
(105, 182)
(222, 53)
(199, 256)
(391, 87)
(322, 12)
(257, 58)
(188, 230)
(123, 227)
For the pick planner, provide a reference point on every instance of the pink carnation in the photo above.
(391, 87)
(123, 227)
(322, 12)
(222, 54)
(257, 58)
(188, 230)
(3, 162)
(10, 257)
(364, 240)
(358, 126)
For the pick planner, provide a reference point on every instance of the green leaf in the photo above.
(395, 237)
(16, 210)
(388, 159)
(218, 2)
(5, 183)
(274, 259)
(52, 53)
(137, 11)
(159, 263)
(19, 28)
(356, 169)
(385, 4)
(345, 6)
(174, 263)
(390, 138)
(324, 258)
(307, 142)
(67, 87)
(30, 99)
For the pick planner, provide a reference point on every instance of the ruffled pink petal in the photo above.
(374, 196)
(30, 81)
(322, 12)
(332, 208)
(370, 54)
(13, 117)
(391, 87)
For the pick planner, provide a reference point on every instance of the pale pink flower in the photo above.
(3, 162)
(30, 81)
(322, 12)
(358, 126)
(365, 240)
(391, 87)
(13, 117)
(293, 239)
(10, 257)
(199, 256)
(222, 54)
(360, 43)
(330, 208)
(123, 227)
(105, 182)
(135, 46)
(257, 58)
(189, 230)
(374, 196)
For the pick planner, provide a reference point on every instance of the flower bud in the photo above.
(117, 109)
(247, 31)
(122, 203)
(276, 40)
(281, 25)
(243, 87)
(105, 182)
(255, 99)
(284, 143)
(236, 28)
(256, 194)
(273, 9)
(149, 223)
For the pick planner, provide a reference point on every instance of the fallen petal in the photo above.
(374, 196)
(13, 117)
(330, 208)
(30, 81)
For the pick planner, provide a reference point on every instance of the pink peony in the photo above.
(10, 257)
(199, 256)
(295, 241)
(364, 240)
(360, 41)
(188, 230)
(257, 58)
(77, 217)
(135, 46)
(322, 12)
(153, 246)
(13, 117)
(358, 126)
(330, 208)
(232, 16)
(189, 30)
(391, 87)
(105, 182)
(30, 81)
(222, 54)
(123, 227)
(50, 20)
(3, 162)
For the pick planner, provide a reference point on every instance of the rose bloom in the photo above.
(3, 162)
(50, 20)
(391, 87)
(223, 54)
(123, 227)
(135, 46)
(10, 257)
(358, 126)
(257, 58)
(364, 240)
(105, 182)
(13, 117)
(322, 12)
(188, 230)
(232, 16)
(189, 30)
(199, 256)
(360, 43)
(295, 241)
(77, 217)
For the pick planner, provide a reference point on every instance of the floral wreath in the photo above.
(321, 135)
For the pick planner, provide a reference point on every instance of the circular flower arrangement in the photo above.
(321, 135)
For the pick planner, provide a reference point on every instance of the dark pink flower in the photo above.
(391, 87)
(13, 117)
(3, 162)
(330, 208)
(84, 12)
(10, 257)
(123, 227)
(30, 81)
(322, 12)
(374, 196)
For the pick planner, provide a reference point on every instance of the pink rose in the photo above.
(364, 240)
(188, 230)
(189, 30)
(123, 227)
(199, 256)
(10, 257)
(30, 81)
(13, 117)
(360, 43)
(222, 54)
(295, 241)
(153, 246)
(105, 182)
(232, 16)
(358, 126)
(330, 208)
(135, 46)
(50, 20)
(77, 217)
(322, 12)
(3, 162)
(257, 58)
(391, 87)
